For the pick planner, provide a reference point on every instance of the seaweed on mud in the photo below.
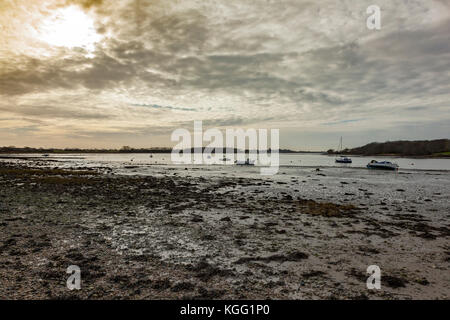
(357, 275)
(51, 274)
(326, 209)
(447, 259)
(313, 274)
(423, 281)
(75, 256)
(205, 271)
(388, 280)
(208, 237)
(24, 172)
(50, 176)
(142, 257)
(394, 282)
(424, 230)
(366, 249)
(293, 256)
(9, 242)
(65, 180)
(209, 294)
(161, 284)
(361, 296)
(124, 281)
(183, 286)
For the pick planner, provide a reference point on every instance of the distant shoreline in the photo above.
(393, 156)
(40, 155)
(424, 149)
(112, 151)
(439, 148)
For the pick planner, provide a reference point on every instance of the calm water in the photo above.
(286, 160)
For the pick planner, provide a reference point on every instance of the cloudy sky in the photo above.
(104, 73)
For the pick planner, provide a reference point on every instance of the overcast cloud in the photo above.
(310, 68)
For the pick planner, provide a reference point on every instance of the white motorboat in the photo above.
(382, 165)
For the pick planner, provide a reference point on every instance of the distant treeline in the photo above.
(125, 149)
(13, 149)
(435, 148)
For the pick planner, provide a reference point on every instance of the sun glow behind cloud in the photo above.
(69, 27)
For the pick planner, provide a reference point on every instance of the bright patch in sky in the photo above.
(69, 27)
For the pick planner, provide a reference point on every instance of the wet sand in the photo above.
(299, 235)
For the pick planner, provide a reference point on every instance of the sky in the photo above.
(104, 73)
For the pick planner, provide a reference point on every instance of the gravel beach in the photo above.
(303, 234)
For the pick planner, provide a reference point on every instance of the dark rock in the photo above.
(293, 256)
(197, 219)
(206, 271)
(394, 282)
(183, 286)
(161, 284)
(208, 237)
(313, 273)
(422, 281)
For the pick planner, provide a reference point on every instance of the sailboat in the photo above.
(341, 158)
(247, 162)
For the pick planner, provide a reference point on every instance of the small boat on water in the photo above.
(45, 155)
(382, 165)
(341, 158)
(247, 162)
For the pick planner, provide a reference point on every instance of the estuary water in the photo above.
(286, 160)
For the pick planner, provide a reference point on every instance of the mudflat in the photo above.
(310, 235)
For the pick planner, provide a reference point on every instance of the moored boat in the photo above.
(382, 165)
(247, 162)
(343, 159)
